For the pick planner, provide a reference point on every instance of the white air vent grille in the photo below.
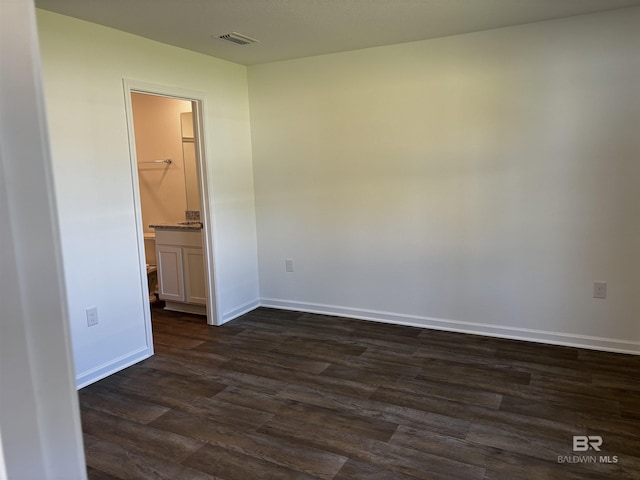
(237, 38)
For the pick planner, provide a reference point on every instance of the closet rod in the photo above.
(166, 160)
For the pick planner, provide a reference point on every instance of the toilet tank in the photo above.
(150, 248)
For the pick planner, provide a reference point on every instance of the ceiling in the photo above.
(290, 29)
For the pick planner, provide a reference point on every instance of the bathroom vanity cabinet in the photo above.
(181, 282)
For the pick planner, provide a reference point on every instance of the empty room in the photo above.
(320, 240)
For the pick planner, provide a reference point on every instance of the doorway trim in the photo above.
(199, 102)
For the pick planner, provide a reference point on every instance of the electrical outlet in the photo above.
(92, 316)
(288, 265)
(599, 289)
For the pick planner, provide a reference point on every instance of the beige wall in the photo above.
(157, 125)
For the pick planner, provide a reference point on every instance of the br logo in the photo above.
(582, 443)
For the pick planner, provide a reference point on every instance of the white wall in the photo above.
(479, 182)
(3, 468)
(39, 416)
(84, 66)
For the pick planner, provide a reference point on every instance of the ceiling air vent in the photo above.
(237, 38)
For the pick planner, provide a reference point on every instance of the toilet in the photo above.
(152, 269)
(150, 248)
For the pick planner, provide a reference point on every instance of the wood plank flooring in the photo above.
(288, 395)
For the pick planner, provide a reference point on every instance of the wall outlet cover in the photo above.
(92, 316)
(599, 289)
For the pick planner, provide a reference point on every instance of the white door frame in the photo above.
(199, 101)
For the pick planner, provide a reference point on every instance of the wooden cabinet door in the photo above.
(170, 273)
(195, 291)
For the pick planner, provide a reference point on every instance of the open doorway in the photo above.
(171, 201)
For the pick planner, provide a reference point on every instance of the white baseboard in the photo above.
(241, 310)
(554, 338)
(515, 333)
(111, 367)
(98, 373)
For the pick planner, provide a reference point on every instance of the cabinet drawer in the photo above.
(184, 238)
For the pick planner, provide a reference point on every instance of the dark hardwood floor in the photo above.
(287, 395)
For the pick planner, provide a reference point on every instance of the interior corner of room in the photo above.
(478, 183)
